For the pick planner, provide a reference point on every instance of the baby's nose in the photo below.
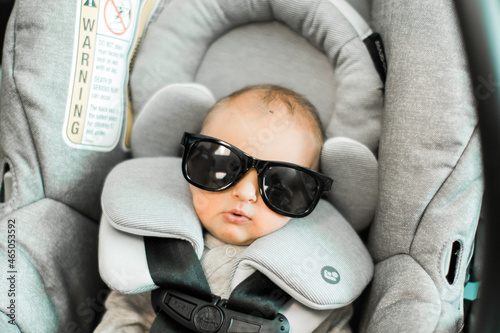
(247, 188)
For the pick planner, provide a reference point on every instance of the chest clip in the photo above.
(213, 317)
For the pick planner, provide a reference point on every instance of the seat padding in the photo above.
(192, 32)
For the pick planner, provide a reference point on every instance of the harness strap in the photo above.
(259, 296)
(184, 296)
(183, 272)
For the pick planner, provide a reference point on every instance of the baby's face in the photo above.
(238, 215)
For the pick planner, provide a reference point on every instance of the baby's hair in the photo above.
(291, 99)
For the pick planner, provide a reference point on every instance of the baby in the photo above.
(237, 194)
(269, 123)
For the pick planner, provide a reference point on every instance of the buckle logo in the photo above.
(208, 319)
(330, 275)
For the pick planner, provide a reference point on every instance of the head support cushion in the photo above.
(296, 257)
(173, 110)
(179, 48)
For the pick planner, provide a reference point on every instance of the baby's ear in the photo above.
(171, 111)
(354, 170)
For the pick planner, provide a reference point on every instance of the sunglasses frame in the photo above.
(324, 183)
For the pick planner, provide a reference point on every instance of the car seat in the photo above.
(430, 178)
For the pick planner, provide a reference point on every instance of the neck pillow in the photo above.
(319, 260)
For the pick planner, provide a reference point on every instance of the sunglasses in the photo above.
(286, 188)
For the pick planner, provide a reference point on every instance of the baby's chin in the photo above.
(233, 238)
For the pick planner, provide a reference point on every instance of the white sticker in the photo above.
(98, 96)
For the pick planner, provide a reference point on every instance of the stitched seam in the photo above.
(21, 100)
(441, 186)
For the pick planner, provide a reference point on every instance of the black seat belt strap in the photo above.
(183, 273)
(184, 303)
(258, 296)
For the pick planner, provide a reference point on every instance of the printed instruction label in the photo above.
(98, 96)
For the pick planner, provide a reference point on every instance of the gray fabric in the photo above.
(363, 7)
(354, 170)
(357, 94)
(269, 52)
(154, 198)
(358, 97)
(217, 262)
(173, 110)
(405, 298)
(430, 166)
(58, 282)
(297, 254)
(34, 311)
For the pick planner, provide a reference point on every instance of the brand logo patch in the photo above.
(376, 49)
(330, 275)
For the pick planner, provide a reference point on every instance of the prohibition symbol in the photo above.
(117, 16)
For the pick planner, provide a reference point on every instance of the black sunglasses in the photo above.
(286, 188)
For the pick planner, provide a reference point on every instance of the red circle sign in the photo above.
(117, 15)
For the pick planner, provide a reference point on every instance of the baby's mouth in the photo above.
(236, 216)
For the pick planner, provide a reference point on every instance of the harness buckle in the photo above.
(213, 317)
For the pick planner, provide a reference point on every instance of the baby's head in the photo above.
(269, 123)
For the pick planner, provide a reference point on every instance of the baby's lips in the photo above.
(236, 216)
(239, 212)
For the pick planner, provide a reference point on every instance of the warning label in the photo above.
(107, 34)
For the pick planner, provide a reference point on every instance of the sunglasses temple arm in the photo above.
(328, 185)
(184, 139)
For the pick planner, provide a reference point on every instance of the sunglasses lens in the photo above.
(290, 190)
(212, 165)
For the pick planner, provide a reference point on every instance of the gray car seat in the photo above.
(430, 177)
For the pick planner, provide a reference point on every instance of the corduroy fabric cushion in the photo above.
(158, 203)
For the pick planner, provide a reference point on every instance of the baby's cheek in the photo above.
(201, 201)
(284, 221)
(272, 222)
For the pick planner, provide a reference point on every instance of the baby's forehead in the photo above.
(258, 105)
(269, 112)
(264, 101)
(257, 120)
